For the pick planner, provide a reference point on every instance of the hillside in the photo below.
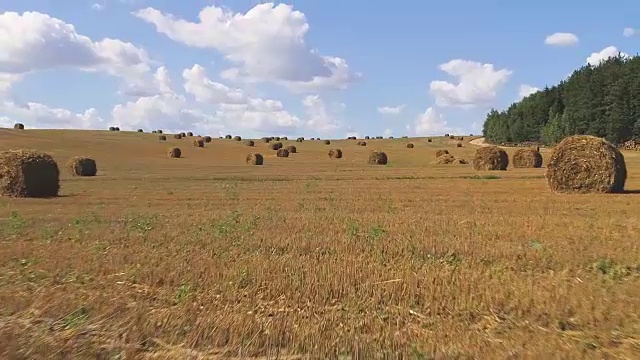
(601, 100)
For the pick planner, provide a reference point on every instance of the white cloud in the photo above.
(204, 90)
(561, 39)
(388, 132)
(628, 32)
(430, 122)
(610, 51)
(391, 110)
(320, 118)
(267, 44)
(149, 84)
(525, 90)
(39, 116)
(477, 83)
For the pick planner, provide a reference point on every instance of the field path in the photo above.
(479, 142)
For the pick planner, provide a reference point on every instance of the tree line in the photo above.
(602, 100)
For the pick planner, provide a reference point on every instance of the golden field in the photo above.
(206, 257)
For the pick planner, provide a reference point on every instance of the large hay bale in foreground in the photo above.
(28, 173)
(441, 152)
(447, 159)
(586, 164)
(292, 149)
(275, 146)
(282, 152)
(82, 166)
(175, 152)
(409, 146)
(198, 142)
(18, 126)
(254, 159)
(527, 158)
(162, 137)
(377, 157)
(207, 139)
(490, 158)
(249, 143)
(335, 154)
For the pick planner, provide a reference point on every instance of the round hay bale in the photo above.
(452, 137)
(441, 152)
(446, 135)
(276, 138)
(117, 128)
(198, 142)
(490, 158)
(275, 146)
(159, 131)
(292, 149)
(82, 166)
(237, 138)
(363, 143)
(377, 157)
(28, 173)
(177, 136)
(207, 139)
(282, 152)
(140, 130)
(390, 137)
(183, 134)
(271, 138)
(189, 133)
(450, 159)
(228, 137)
(111, 128)
(18, 126)
(266, 140)
(367, 137)
(527, 158)
(461, 138)
(162, 137)
(254, 159)
(175, 152)
(249, 143)
(312, 139)
(335, 154)
(299, 139)
(410, 146)
(586, 164)
(327, 142)
(154, 131)
(429, 140)
(285, 138)
(459, 145)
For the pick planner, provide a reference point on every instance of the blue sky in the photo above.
(300, 68)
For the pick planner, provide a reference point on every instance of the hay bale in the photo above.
(207, 139)
(154, 131)
(162, 138)
(228, 137)
(390, 137)
(299, 139)
(175, 152)
(28, 173)
(527, 158)
(189, 133)
(198, 142)
(18, 126)
(366, 137)
(275, 146)
(266, 140)
(429, 140)
(282, 152)
(177, 136)
(237, 138)
(335, 154)
(249, 143)
(183, 134)
(254, 159)
(363, 143)
(490, 158)
(461, 138)
(452, 137)
(441, 152)
(292, 149)
(446, 135)
(377, 157)
(82, 166)
(586, 164)
(447, 159)
(159, 131)
(327, 142)
(276, 138)
(409, 146)
(111, 128)
(459, 145)
(285, 138)
(140, 130)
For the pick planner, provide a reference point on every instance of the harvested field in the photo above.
(207, 257)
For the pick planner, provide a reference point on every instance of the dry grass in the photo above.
(162, 259)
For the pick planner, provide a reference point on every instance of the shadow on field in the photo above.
(631, 192)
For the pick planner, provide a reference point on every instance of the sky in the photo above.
(313, 68)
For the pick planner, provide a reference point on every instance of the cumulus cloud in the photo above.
(266, 44)
(391, 110)
(320, 118)
(628, 32)
(39, 116)
(525, 90)
(204, 90)
(431, 122)
(561, 39)
(387, 132)
(476, 83)
(610, 51)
